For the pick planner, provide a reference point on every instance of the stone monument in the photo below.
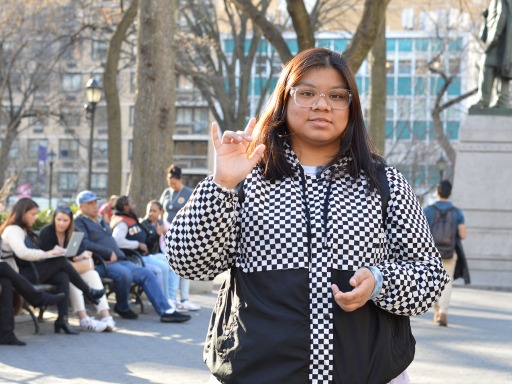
(482, 185)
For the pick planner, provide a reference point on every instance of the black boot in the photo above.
(11, 340)
(62, 324)
(93, 295)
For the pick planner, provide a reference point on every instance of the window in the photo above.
(133, 79)
(70, 117)
(454, 66)
(452, 130)
(99, 182)
(71, 82)
(390, 67)
(100, 149)
(403, 130)
(390, 86)
(99, 50)
(404, 67)
(68, 149)
(421, 45)
(131, 117)
(340, 45)
(419, 130)
(390, 45)
(404, 86)
(39, 117)
(33, 147)
(38, 187)
(68, 181)
(191, 148)
(130, 149)
(405, 45)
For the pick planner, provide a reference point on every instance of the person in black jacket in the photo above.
(9, 279)
(321, 281)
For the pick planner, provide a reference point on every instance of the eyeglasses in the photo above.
(306, 97)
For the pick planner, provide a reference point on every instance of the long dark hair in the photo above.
(69, 231)
(271, 128)
(19, 209)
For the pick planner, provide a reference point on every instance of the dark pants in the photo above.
(10, 279)
(57, 271)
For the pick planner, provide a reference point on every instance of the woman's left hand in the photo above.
(363, 282)
(83, 256)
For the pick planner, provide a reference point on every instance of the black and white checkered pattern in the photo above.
(213, 233)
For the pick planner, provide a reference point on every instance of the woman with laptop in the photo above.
(61, 232)
(38, 265)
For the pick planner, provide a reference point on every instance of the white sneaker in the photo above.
(177, 306)
(111, 324)
(91, 324)
(188, 305)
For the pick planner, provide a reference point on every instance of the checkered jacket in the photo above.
(275, 320)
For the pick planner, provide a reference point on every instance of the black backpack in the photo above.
(444, 231)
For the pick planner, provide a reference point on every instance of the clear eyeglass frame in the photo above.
(314, 100)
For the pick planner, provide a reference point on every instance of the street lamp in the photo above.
(51, 159)
(441, 165)
(93, 95)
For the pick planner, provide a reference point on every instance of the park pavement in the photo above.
(476, 347)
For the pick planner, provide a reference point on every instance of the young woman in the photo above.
(58, 233)
(321, 280)
(18, 238)
(155, 228)
(9, 279)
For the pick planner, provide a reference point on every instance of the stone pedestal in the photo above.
(482, 188)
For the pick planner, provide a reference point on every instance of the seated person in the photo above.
(58, 233)
(9, 278)
(129, 234)
(98, 239)
(51, 266)
(107, 210)
(156, 229)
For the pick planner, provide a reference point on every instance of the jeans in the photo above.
(176, 282)
(124, 273)
(159, 260)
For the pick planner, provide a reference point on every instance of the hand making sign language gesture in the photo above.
(232, 164)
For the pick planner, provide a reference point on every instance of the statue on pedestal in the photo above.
(497, 68)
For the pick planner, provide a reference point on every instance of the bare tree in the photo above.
(154, 107)
(223, 77)
(115, 165)
(32, 44)
(356, 51)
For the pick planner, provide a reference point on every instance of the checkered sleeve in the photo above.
(413, 274)
(202, 238)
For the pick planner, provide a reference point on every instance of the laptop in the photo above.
(74, 244)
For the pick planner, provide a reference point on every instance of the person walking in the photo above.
(327, 249)
(433, 212)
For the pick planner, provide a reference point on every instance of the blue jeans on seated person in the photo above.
(124, 273)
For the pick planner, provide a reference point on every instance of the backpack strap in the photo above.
(384, 192)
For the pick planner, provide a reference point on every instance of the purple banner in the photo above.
(41, 165)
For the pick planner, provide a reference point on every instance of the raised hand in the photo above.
(232, 164)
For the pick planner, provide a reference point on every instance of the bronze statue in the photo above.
(497, 68)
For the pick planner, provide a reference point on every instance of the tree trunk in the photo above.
(366, 33)
(301, 23)
(115, 160)
(377, 113)
(154, 108)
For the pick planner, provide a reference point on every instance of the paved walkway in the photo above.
(475, 348)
